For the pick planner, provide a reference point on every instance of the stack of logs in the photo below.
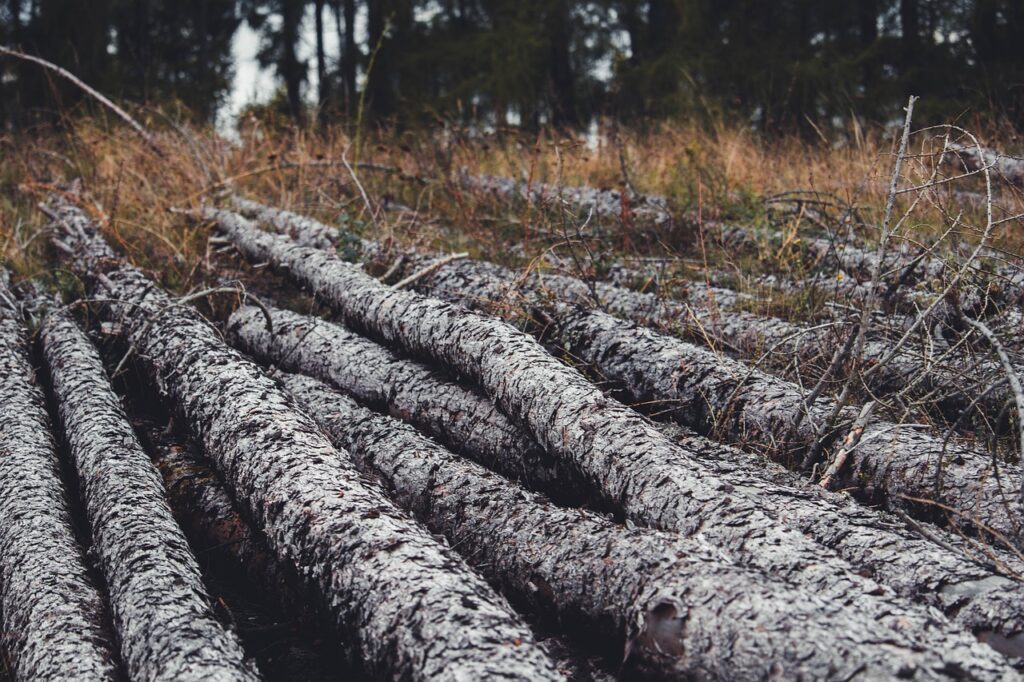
(441, 496)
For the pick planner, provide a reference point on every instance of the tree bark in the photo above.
(160, 608)
(53, 618)
(681, 609)
(605, 204)
(318, 513)
(876, 545)
(206, 511)
(896, 466)
(458, 416)
(323, 84)
(625, 460)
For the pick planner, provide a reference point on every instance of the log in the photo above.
(53, 619)
(895, 466)
(682, 609)
(160, 608)
(880, 546)
(318, 513)
(206, 511)
(606, 204)
(624, 459)
(458, 416)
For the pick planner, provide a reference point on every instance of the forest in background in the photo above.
(781, 67)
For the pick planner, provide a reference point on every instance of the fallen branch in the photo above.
(52, 616)
(430, 269)
(1011, 376)
(95, 94)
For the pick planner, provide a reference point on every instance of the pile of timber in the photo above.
(938, 380)
(626, 463)
(439, 496)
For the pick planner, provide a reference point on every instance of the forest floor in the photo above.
(789, 320)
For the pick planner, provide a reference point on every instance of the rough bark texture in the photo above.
(206, 511)
(880, 546)
(681, 607)
(160, 608)
(621, 455)
(52, 616)
(460, 417)
(319, 514)
(715, 395)
(604, 204)
(978, 586)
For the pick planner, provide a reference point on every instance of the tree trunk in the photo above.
(350, 52)
(160, 608)
(322, 82)
(204, 506)
(602, 204)
(682, 610)
(625, 460)
(562, 75)
(478, 284)
(206, 511)
(52, 616)
(460, 417)
(291, 67)
(318, 513)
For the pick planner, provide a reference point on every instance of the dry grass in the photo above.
(726, 173)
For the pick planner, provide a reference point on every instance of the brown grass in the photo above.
(725, 173)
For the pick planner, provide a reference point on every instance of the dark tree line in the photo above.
(780, 65)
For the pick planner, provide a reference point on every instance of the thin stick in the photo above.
(851, 442)
(430, 269)
(95, 94)
(1011, 377)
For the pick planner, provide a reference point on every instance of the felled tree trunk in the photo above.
(625, 460)
(680, 608)
(460, 417)
(160, 608)
(606, 204)
(53, 619)
(977, 585)
(206, 511)
(318, 513)
(896, 466)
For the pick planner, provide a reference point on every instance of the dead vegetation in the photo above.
(616, 382)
